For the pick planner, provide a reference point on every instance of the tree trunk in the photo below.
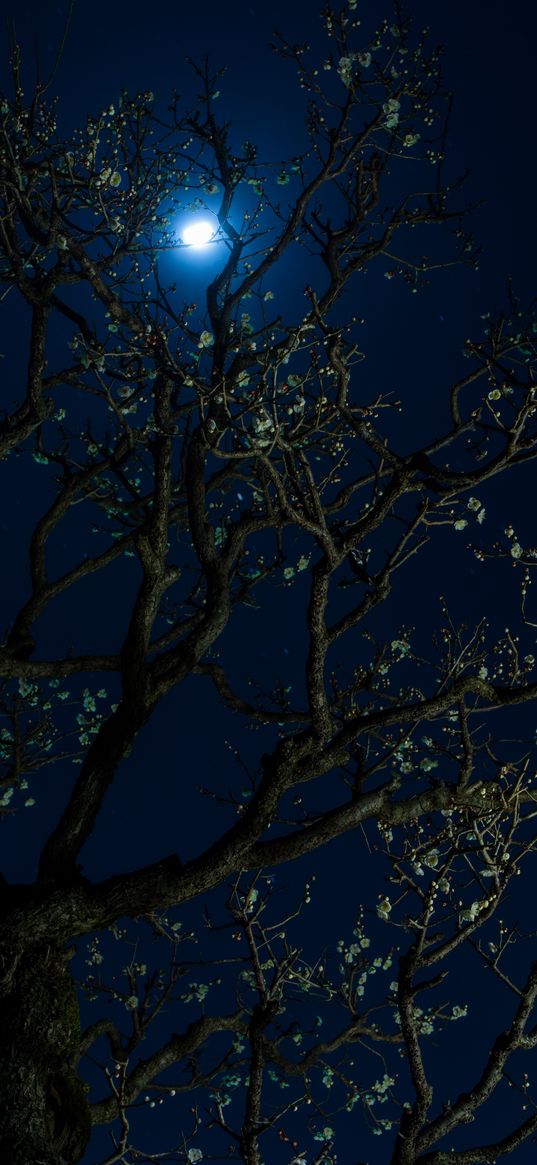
(44, 1112)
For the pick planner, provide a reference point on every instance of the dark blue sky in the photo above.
(489, 63)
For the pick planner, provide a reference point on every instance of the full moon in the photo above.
(197, 234)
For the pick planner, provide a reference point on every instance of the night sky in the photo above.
(413, 346)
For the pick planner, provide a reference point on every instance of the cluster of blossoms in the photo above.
(346, 66)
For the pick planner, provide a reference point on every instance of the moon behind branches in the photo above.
(197, 234)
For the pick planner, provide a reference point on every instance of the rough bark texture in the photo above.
(44, 1116)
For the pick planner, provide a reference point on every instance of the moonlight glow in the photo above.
(197, 234)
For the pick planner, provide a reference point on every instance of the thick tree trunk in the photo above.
(44, 1113)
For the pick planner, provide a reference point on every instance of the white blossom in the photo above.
(345, 70)
(391, 109)
(470, 914)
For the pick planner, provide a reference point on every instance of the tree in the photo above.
(226, 460)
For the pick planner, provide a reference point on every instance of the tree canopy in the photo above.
(193, 473)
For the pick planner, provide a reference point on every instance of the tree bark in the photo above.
(44, 1112)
